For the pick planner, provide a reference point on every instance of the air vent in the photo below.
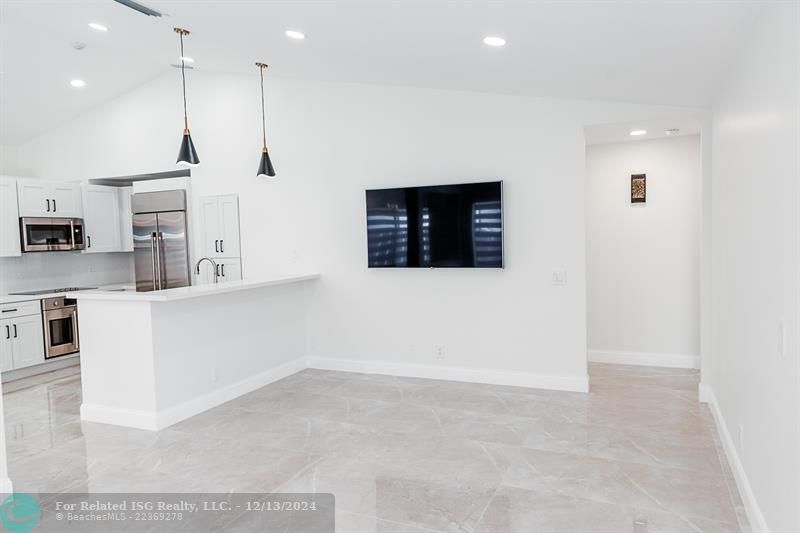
(136, 6)
(178, 65)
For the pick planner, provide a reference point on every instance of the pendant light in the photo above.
(187, 155)
(265, 166)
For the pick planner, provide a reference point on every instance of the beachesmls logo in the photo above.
(20, 513)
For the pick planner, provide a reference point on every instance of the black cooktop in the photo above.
(48, 291)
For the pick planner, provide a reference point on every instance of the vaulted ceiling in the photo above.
(659, 52)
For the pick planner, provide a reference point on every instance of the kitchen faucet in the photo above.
(213, 265)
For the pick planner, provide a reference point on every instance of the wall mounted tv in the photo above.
(441, 226)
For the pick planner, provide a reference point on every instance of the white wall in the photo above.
(9, 160)
(330, 141)
(753, 373)
(643, 260)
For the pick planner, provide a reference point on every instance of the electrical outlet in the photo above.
(559, 277)
(440, 353)
(781, 338)
(214, 374)
(741, 438)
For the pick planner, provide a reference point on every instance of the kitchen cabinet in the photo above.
(9, 218)
(21, 336)
(101, 219)
(125, 219)
(27, 342)
(220, 226)
(42, 198)
(6, 353)
(229, 269)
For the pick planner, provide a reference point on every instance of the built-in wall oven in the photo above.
(60, 316)
(44, 234)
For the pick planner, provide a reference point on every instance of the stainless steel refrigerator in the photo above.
(160, 240)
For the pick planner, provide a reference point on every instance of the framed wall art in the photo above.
(638, 188)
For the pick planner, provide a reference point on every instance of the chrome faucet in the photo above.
(213, 265)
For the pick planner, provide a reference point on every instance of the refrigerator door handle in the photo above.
(153, 258)
(162, 263)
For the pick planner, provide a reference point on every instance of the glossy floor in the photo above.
(410, 455)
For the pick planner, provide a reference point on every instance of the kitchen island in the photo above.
(152, 359)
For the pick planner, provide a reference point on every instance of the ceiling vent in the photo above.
(136, 6)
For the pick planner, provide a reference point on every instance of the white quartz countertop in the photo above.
(11, 298)
(195, 291)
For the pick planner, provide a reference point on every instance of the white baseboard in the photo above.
(188, 409)
(118, 416)
(470, 375)
(48, 366)
(156, 420)
(671, 360)
(754, 514)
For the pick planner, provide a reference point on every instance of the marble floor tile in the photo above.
(408, 455)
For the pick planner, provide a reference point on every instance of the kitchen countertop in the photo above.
(10, 298)
(194, 291)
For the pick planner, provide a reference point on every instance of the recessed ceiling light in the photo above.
(77, 83)
(636, 133)
(494, 41)
(295, 34)
(671, 131)
(97, 26)
(187, 59)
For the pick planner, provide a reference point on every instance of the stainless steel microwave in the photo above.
(51, 234)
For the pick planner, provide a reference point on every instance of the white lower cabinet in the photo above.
(21, 342)
(6, 352)
(228, 269)
(28, 341)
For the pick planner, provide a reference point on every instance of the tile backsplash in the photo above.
(47, 270)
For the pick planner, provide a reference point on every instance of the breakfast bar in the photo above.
(152, 359)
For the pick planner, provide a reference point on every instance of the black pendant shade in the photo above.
(265, 166)
(187, 154)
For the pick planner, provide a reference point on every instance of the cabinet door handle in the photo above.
(89, 241)
(216, 270)
(8, 332)
(8, 310)
(48, 205)
(216, 246)
(15, 331)
(54, 206)
(221, 246)
(223, 270)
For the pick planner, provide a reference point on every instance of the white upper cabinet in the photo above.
(41, 198)
(9, 218)
(220, 226)
(126, 219)
(101, 219)
(229, 221)
(210, 231)
(35, 199)
(67, 200)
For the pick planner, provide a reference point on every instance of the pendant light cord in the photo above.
(263, 115)
(183, 77)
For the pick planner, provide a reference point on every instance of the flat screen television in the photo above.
(441, 226)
